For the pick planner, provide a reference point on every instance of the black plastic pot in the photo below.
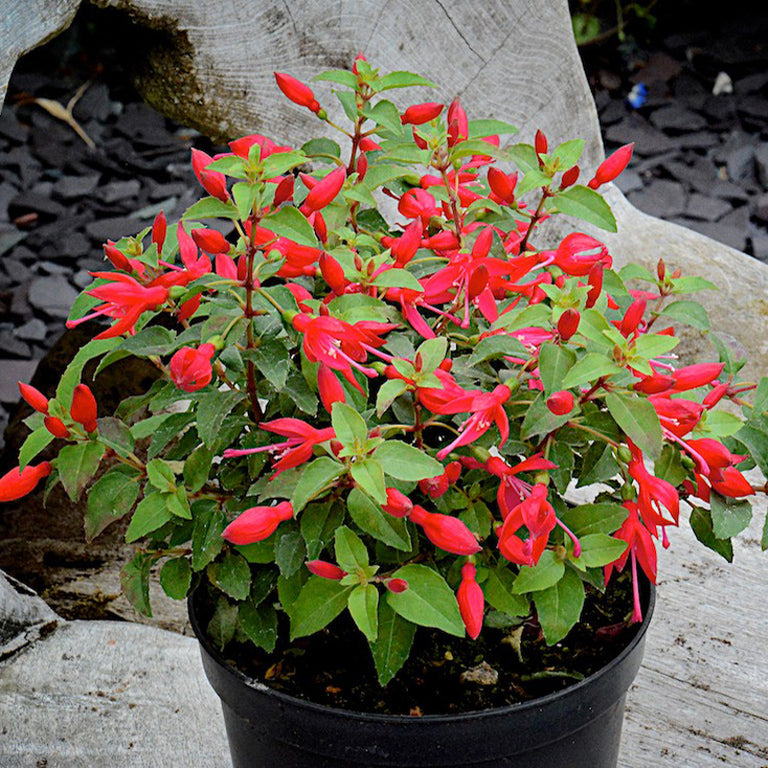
(579, 727)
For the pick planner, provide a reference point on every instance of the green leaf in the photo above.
(111, 497)
(586, 204)
(638, 419)
(599, 465)
(211, 208)
(385, 114)
(729, 516)
(589, 369)
(401, 79)
(36, 441)
(318, 523)
(116, 435)
(687, 312)
(389, 391)
(351, 553)
(548, 571)
(363, 606)
(232, 575)
(209, 524)
(539, 420)
(259, 623)
(349, 425)
(324, 146)
(134, 582)
(223, 624)
(291, 223)
(669, 467)
(554, 363)
(393, 644)
(692, 284)
(599, 549)
(756, 441)
(559, 607)
(212, 409)
(497, 346)
(244, 193)
(272, 361)
(589, 519)
(428, 601)
(72, 375)
(371, 519)
(568, 153)
(397, 278)
(290, 552)
(764, 537)
(498, 590)
(340, 76)
(316, 477)
(154, 340)
(151, 513)
(532, 179)
(77, 464)
(161, 476)
(650, 345)
(319, 603)
(701, 524)
(280, 162)
(369, 475)
(405, 462)
(176, 577)
(197, 467)
(478, 129)
(230, 166)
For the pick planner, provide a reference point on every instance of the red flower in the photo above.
(325, 570)
(257, 523)
(83, 408)
(693, 376)
(330, 388)
(561, 402)
(34, 397)
(730, 482)
(18, 483)
(56, 427)
(654, 494)
(125, 300)
(578, 253)
(448, 533)
(398, 504)
(512, 490)
(210, 240)
(324, 191)
(396, 585)
(159, 228)
(471, 601)
(538, 516)
(213, 182)
(502, 185)
(297, 92)
(435, 487)
(191, 368)
(421, 113)
(568, 324)
(487, 408)
(298, 448)
(612, 166)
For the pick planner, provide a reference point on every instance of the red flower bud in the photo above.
(332, 273)
(502, 185)
(595, 282)
(661, 269)
(561, 402)
(117, 257)
(396, 585)
(713, 397)
(191, 369)
(569, 177)
(418, 141)
(448, 533)
(34, 397)
(210, 240)
(458, 124)
(362, 166)
(284, 190)
(471, 601)
(632, 317)
(421, 113)
(213, 182)
(159, 228)
(18, 483)
(652, 385)
(325, 190)
(398, 504)
(540, 143)
(325, 570)
(568, 324)
(56, 427)
(612, 166)
(257, 523)
(297, 92)
(698, 375)
(731, 483)
(83, 408)
(367, 144)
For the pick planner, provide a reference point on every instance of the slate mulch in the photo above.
(701, 160)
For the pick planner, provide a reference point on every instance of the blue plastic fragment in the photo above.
(636, 97)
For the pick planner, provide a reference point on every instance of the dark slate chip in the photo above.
(735, 237)
(740, 163)
(751, 83)
(662, 198)
(73, 187)
(53, 295)
(13, 346)
(7, 193)
(113, 228)
(74, 245)
(759, 243)
(14, 370)
(760, 208)
(16, 270)
(119, 190)
(94, 103)
(706, 208)
(761, 164)
(32, 201)
(11, 128)
(648, 140)
(9, 238)
(33, 330)
(629, 181)
(676, 118)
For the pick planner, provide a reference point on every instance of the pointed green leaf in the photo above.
(176, 577)
(36, 441)
(586, 204)
(393, 644)
(554, 363)
(371, 518)
(318, 523)
(405, 462)
(209, 524)
(77, 464)
(291, 223)
(401, 79)
(638, 419)
(589, 369)
(701, 524)
(589, 519)
(232, 575)
(290, 552)
(548, 571)
(428, 601)
(498, 590)
(351, 553)
(211, 208)
(388, 392)
(314, 479)
(349, 425)
(134, 582)
(111, 497)
(212, 409)
(259, 623)
(151, 513)
(318, 604)
(369, 475)
(363, 606)
(599, 549)
(729, 516)
(559, 607)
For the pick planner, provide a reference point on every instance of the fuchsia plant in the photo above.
(384, 416)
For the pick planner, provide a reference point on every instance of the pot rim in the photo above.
(572, 690)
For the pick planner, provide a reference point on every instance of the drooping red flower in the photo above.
(538, 516)
(654, 494)
(18, 483)
(210, 241)
(448, 533)
(435, 487)
(398, 504)
(213, 182)
(471, 601)
(257, 523)
(125, 300)
(190, 368)
(578, 253)
(297, 449)
(512, 490)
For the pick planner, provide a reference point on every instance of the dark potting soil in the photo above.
(445, 674)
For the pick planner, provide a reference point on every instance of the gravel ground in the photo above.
(701, 160)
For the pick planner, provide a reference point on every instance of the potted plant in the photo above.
(374, 392)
